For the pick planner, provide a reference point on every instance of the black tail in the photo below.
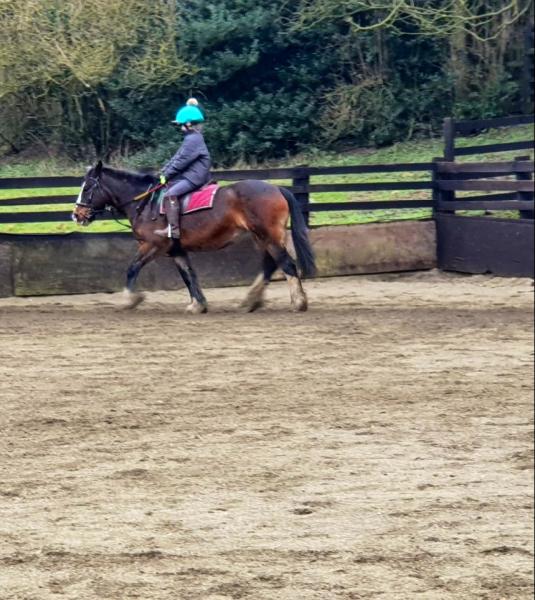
(303, 249)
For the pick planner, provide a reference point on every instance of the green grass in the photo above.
(406, 152)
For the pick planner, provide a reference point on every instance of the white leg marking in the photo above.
(297, 294)
(132, 299)
(196, 308)
(255, 295)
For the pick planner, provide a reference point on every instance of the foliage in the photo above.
(104, 77)
(64, 62)
(482, 20)
(407, 65)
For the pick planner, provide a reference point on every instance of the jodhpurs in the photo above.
(180, 188)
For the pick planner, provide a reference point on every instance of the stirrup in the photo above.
(173, 234)
(163, 232)
(168, 233)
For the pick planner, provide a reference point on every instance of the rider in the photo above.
(189, 168)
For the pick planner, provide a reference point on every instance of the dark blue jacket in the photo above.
(192, 161)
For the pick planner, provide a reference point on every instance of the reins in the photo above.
(111, 209)
(149, 191)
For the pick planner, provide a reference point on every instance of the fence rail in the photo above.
(487, 169)
(471, 126)
(489, 148)
(27, 183)
(488, 186)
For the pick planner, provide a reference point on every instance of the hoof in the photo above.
(300, 305)
(251, 306)
(133, 299)
(253, 301)
(196, 308)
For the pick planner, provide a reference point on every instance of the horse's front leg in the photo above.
(145, 255)
(198, 302)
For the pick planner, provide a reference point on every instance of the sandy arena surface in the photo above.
(377, 446)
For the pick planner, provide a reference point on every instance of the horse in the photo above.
(253, 206)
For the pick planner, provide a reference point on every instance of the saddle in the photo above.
(201, 199)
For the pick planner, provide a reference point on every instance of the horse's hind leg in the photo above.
(198, 302)
(255, 295)
(144, 255)
(289, 268)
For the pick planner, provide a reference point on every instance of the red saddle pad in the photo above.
(199, 200)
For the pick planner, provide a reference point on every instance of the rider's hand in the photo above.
(163, 179)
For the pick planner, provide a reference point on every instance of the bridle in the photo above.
(89, 193)
(88, 203)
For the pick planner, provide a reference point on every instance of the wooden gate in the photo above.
(500, 240)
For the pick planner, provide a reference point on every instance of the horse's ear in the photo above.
(98, 168)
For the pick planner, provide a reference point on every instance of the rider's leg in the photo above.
(172, 208)
(172, 214)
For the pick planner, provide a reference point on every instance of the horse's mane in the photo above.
(130, 176)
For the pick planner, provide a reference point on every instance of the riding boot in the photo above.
(172, 212)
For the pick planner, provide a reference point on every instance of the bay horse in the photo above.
(246, 206)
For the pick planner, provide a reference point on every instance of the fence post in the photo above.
(301, 178)
(524, 214)
(449, 139)
(440, 195)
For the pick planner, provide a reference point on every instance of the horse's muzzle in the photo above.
(82, 215)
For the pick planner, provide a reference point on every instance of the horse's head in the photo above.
(92, 198)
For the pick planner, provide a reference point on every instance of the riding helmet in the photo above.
(190, 113)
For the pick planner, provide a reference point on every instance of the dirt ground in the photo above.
(377, 446)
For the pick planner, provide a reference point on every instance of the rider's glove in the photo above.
(163, 179)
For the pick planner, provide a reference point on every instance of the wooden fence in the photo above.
(513, 194)
(454, 129)
(301, 185)
(501, 194)
(484, 244)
